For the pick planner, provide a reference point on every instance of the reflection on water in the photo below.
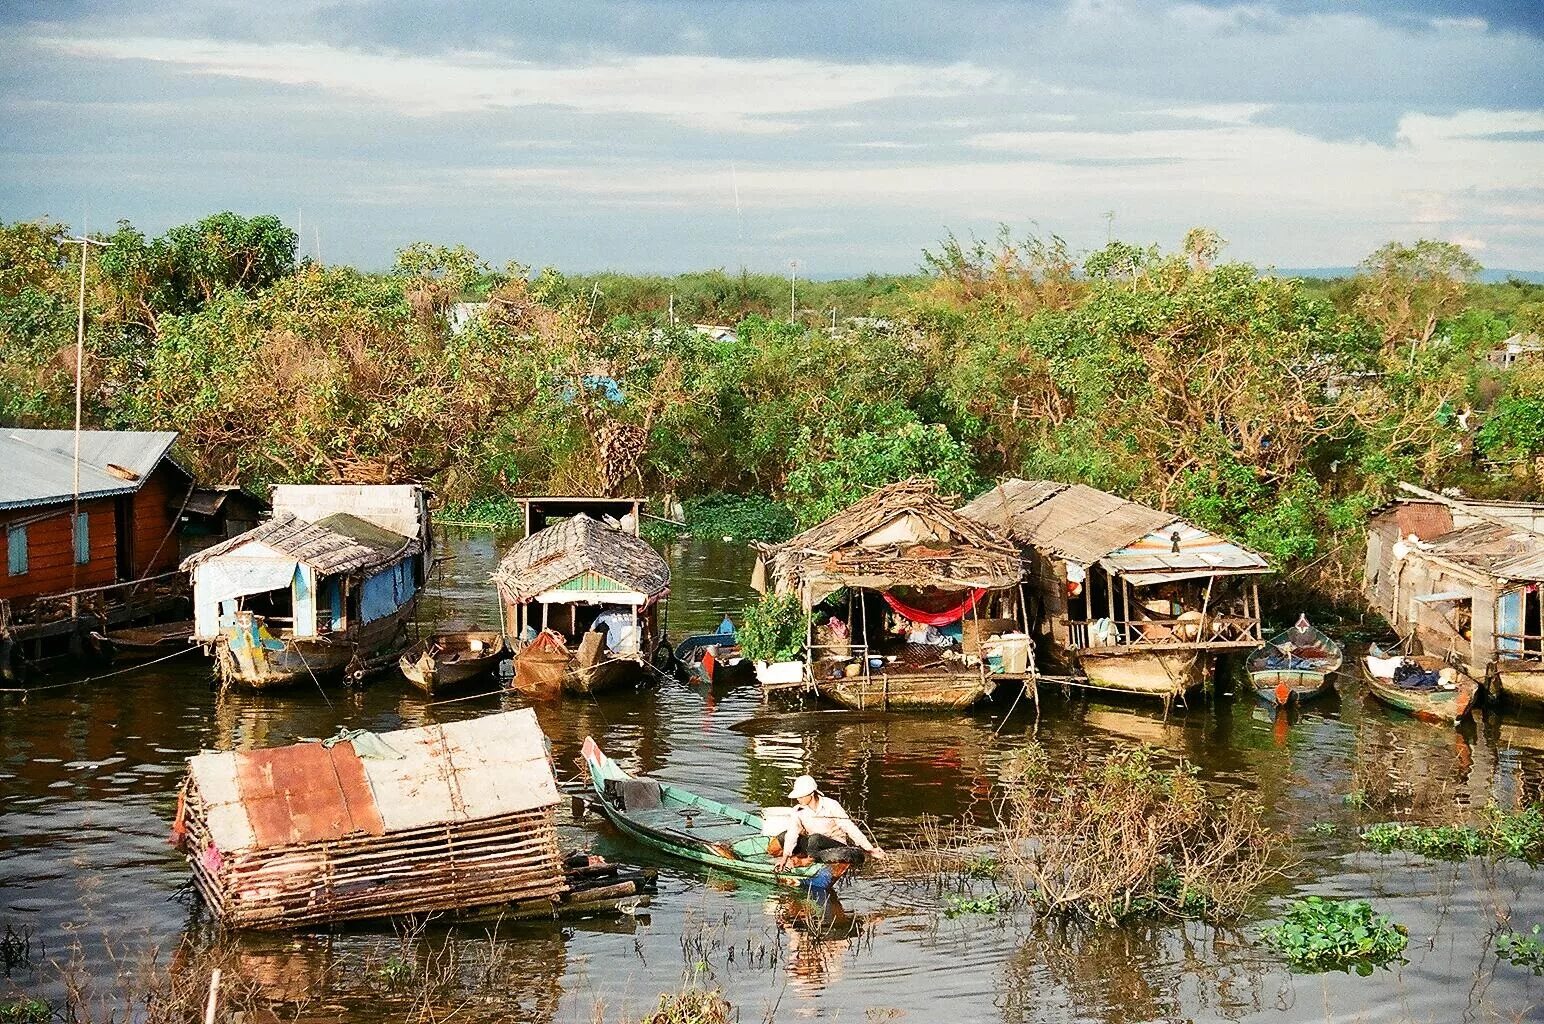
(87, 783)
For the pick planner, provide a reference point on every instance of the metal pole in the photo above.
(80, 357)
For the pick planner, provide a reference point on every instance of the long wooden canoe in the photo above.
(446, 660)
(1295, 665)
(1449, 706)
(694, 828)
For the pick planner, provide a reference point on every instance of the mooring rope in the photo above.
(92, 679)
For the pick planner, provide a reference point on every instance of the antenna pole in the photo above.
(793, 278)
(80, 358)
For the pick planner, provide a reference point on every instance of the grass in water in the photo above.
(25, 1011)
(1322, 935)
(1523, 950)
(959, 906)
(693, 1006)
(1518, 834)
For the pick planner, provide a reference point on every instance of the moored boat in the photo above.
(447, 660)
(715, 658)
(694, 828)
(142, 643)
(1295, 665)
(1389, 679)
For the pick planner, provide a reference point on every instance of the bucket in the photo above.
(1015, 653)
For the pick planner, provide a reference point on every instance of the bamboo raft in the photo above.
(457, 817)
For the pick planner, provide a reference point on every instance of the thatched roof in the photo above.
(340, 543)
(577, 548)
(1085, 525)
(903, 534)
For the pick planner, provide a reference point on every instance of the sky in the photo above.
(672, 135)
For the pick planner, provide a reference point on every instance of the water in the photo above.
(87, 793)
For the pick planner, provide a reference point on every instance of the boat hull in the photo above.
(1521, 681)
(1285, 685)
(953, 691)
(446, 661)
(745, 857)
(603, 676)
(276, 663)
(1446, 706)
(1167, 675)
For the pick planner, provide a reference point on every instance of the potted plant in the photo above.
(772, 634)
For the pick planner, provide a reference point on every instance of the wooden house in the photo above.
(1126, 597)
(581, 604)
(452, 817)
(85, 557)
(1461, 580)
(325, 588)
(916, 590)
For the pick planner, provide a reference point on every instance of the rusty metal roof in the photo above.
(341, 543)
(1491, 549)
(441, 775)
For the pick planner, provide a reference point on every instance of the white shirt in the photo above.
(826, 817)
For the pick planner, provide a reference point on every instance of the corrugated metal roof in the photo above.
(447, 775)
(1068, 520)
(551, 557)
(40, 464)
(1086, 525)
(1492, 550)
(340, 543)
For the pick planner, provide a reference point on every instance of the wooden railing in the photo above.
(1212, 631)
(1528, 647)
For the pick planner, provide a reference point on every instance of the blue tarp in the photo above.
(386, 591)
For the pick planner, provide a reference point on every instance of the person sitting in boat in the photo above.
(820, 823)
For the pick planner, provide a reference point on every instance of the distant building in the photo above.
(718, 332)
(461, 314)
(1518, 348)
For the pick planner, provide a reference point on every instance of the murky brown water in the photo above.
(88, 777)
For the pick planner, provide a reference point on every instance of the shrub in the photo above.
(1523, 950)
(25, 1011)
(774, 629)
(1319, 934)
(693, 1006)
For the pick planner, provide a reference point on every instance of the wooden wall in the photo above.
(155, 508)
(51, 565)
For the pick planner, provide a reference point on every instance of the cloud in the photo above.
(699, 91)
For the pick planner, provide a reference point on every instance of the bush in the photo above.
(1106, 841)
(1523, 950)
(774, 629)
(693, 1006)
(1319, 934)
(1518, 834)
(744, 517)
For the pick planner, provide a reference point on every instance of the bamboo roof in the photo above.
(577, 546)
(902, 534)
(1088, 526)
(340, 543)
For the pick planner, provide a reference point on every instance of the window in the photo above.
(82, 538)
(16, 550)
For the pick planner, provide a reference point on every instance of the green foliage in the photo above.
(692, 1006)
(1518, 834)
(774, 629)
(1523, 950)
(394, 972)
(25, 1011)
(502, 511)
(959, 906)
(748, 517)
(1318, 934)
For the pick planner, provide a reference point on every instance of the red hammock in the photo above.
(941, 618)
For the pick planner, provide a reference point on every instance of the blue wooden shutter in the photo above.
(83, 538)
(16, 548)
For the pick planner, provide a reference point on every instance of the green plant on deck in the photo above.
(693, 1006)
(1523, 950)
(1501, 833)
(25, 1011)
(1319, 934)
(774, 629)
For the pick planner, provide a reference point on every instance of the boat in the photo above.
(143, 643)
(326, 588)
(1295, 665)
(591, 593)
(446, 660)
(694, 828)
(715, 658)
(1431, 705)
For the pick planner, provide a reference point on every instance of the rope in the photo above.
(93, 679)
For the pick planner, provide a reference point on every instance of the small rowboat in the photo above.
(141, 643)
(1295, 665)
(694, 828)
(715, 658)
(1431, 705)
(446, 660)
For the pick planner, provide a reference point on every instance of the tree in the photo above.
(1406, 290)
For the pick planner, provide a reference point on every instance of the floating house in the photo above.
(581, 600)
(1461, 579)
(86, 550)
(326, 587)
(453, 817)
(929, 613)
(1126, 597)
